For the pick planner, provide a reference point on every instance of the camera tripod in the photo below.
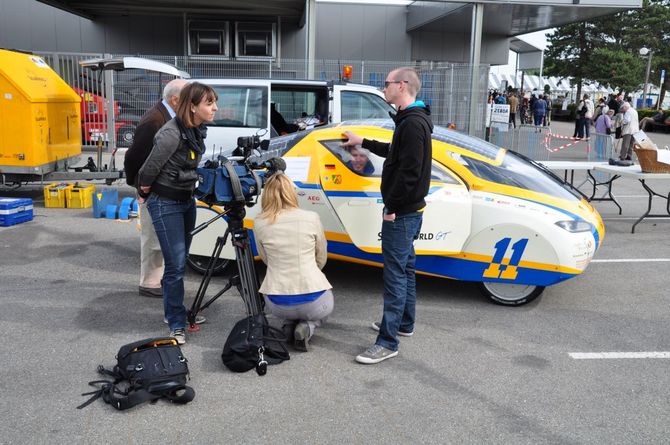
(246, 279)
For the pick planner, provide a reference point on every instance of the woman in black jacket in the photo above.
(167, 181)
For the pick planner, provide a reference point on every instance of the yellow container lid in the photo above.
(36, 81)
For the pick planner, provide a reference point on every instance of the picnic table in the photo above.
(636, 173)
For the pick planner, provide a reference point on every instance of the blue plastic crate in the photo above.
(15, 211)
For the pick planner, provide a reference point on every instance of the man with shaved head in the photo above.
(405, 184)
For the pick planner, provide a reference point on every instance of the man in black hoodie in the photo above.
(405, 184)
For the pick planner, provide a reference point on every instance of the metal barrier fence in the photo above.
(446, 87)
(533, 142)
(540, 144)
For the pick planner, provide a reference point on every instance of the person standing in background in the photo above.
(151, 258)
(547, 115)
(539, 111)
(513, 106)
(629, 126)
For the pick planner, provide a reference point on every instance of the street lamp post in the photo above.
(646, 52)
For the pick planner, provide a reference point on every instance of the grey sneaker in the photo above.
(179, 334)
(375, 354)
(301, 336)
(376, 325)
(199, 319)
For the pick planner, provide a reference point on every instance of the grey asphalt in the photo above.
(474, 372)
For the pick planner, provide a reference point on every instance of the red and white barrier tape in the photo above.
(576, 140)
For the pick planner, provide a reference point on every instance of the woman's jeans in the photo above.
(399, 277)
(173, 222)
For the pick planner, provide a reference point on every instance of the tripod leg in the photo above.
(248, 278)
(204, 284)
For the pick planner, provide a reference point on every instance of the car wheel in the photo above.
(199, 264)
(125, 136)
(509, 294)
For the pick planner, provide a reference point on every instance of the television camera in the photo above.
(234, 182)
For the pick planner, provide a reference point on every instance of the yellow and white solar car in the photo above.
(492, 215)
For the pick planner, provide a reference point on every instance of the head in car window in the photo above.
(359, 162)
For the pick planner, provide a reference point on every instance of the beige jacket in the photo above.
(294, 249)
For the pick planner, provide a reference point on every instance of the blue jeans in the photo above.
(173, 222)
(399, 277)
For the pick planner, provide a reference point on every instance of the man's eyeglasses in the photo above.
(389, 82)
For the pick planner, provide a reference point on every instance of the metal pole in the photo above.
(475, 52)
(310, 41)
(660, 87)
(646, 80)
(108, 75)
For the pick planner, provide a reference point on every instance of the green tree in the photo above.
(570, 52)
(606, 49)
(619, 70)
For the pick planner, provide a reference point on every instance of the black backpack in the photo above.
(253, 343)
(146, 370)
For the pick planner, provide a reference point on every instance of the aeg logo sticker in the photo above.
(502, 268)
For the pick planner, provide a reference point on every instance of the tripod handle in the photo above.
(206, 224)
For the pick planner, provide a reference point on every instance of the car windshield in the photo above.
(518, 171)
(475, 145)
(240, 106)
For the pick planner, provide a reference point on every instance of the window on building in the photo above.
(208, 38)
(255, 39)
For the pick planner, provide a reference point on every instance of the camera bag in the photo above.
(146, 370)
(253, 343)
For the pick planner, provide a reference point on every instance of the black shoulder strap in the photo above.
(181, 396)
(117, 398)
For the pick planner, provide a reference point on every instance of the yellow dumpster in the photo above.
(39, 116)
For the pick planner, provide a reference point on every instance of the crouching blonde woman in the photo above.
(292, 244)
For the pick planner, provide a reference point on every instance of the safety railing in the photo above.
(541, 144)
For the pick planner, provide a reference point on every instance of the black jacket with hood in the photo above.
(407, 168)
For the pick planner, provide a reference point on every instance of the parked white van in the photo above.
(269, 108)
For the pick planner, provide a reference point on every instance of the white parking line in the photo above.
(628, 218)
(617, 355)
(634, 260)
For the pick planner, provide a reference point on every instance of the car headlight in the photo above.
(575, 226)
